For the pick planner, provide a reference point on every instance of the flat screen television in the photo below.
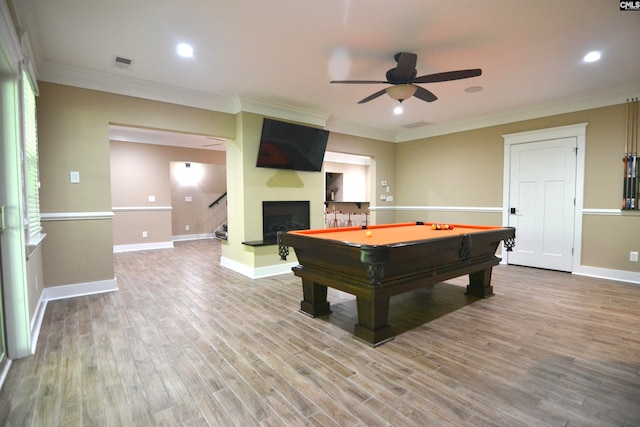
(291, 146)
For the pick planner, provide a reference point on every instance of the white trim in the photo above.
(351, 159)
(75, 216)
(102, 81)
(5, 370)
(281, 111)
(62, 292)
(142, 246)
(8, 35)
(186, 237)
(598, 99)
(141, 208)
(106, 82)
(614, 212)
(256, 273)
(577, 131)
(609, 274)
(80, 289)
(477, 209)
(585, 211)
(36, 322)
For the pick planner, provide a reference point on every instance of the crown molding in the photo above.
(280, 111)
(107, 82)
(603, 98)
(347, 128)
(122, 85)
(9, 39)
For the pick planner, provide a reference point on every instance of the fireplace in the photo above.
(283, 216)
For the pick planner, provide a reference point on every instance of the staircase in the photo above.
(221, 232)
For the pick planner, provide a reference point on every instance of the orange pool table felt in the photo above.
(391, 233)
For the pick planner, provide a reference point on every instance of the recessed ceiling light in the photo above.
(592, 56)
(185, 50)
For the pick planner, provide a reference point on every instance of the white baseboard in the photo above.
(36, 322)
(185, 237)
(80, 289)
(4, 370)
(607, 273)
(142, 246)
(66, 291)
(257, 273)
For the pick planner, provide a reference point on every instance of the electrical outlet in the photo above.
(144, 234)
(633, 256)
(186, 227)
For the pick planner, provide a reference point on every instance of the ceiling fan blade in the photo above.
(374, 96)
(406, 66)
(424, 94)
(447, 76)
(359, 82)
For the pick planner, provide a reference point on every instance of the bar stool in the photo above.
(334, 222)
(349, 223)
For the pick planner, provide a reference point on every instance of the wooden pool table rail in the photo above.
(376, 273)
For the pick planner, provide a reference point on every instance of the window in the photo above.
(33, 226)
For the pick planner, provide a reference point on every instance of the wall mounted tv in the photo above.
(291, 146)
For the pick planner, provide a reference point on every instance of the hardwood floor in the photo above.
(187, 342)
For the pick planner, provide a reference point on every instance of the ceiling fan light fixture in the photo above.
(398, 110)
(402, 91)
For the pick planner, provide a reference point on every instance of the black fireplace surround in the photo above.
(283, 216)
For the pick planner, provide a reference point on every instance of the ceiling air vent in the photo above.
(124, 63)
(416, 125)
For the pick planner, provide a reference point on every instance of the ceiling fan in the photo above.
(403, 80)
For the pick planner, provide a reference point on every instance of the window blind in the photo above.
(31, 169)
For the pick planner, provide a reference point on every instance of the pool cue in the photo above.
(624, 160)
(632, 166)
(630, 163)
(634, 144)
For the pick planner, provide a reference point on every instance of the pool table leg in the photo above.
(480, 284)
(315, 299)
(373, 317)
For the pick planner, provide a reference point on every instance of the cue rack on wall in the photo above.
(630, 193)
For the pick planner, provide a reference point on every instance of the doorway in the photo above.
(542, 196)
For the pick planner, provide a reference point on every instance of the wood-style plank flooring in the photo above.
(185, 342)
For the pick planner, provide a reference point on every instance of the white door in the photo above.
(542, 202)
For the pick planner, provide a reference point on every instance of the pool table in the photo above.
(376, 262)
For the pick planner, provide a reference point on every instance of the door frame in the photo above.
(577, 131)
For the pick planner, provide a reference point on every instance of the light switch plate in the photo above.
(74, 177)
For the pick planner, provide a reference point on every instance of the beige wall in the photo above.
(248, 186)
(142, 170)
(466, 169)
(73, 133)
(196, 214)
(461, 169)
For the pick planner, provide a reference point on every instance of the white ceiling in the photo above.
(277, 57)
